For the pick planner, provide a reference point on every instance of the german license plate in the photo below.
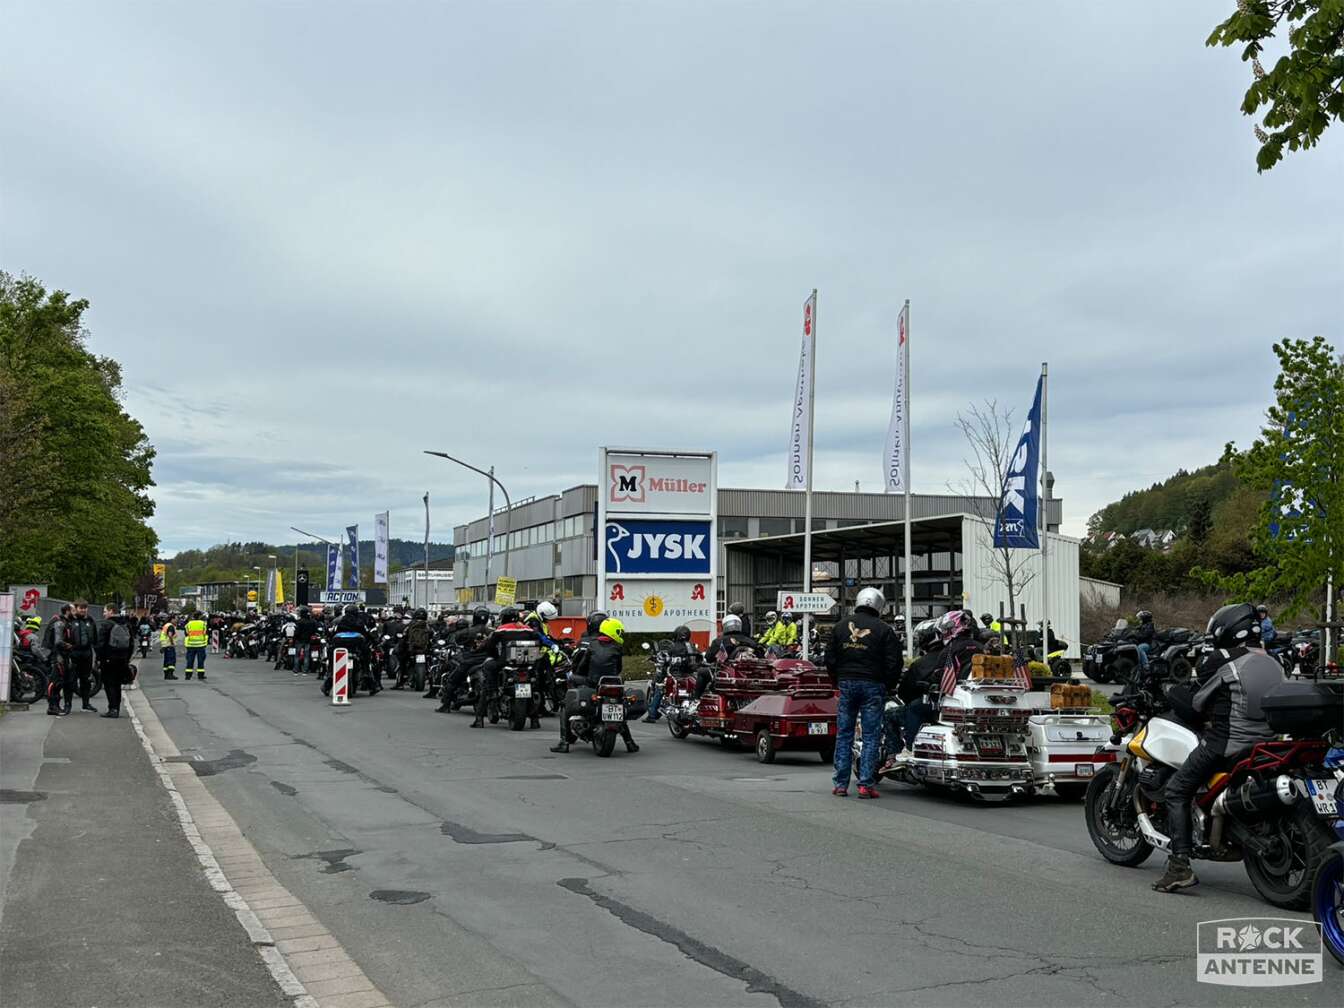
(1323, 796)
(818, 728)
(613, 712)
(419, 659)
(293, 650)
(523, 691)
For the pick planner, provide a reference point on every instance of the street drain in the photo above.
(399, 897)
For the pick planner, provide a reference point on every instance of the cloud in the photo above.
(321, 241)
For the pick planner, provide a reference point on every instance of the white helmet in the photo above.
(732, 624)
(871, 598)
(770, 617)
(547, 611)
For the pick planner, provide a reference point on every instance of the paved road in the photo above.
(465, 867)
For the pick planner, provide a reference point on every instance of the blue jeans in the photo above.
(915, 716)
(859, 696)
(655, 701)
(1143, 655)
(195, 658)
(169, 658)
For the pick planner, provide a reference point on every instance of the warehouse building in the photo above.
(549, 545)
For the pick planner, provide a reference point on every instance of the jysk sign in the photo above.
(636, 482)
(636, 546)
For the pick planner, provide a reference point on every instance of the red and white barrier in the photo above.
(340, 677)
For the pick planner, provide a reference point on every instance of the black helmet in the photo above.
(1233, 626)
(304, 612)
(351, 610)
(421, 614)
(509, 615)
(480, 617)
(1143, 616)
(682, 633)
(926, 637)
(737, 609)
(986, 619)
(1262, 609)
(595, 620)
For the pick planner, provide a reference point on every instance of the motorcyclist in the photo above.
(470, 640)
(304, 632)
(772, 628)
(414, 641)
(1267, 631)
(722, 648)
(286, 641)
(351, 632)
(510, 634)
(864, 659)
(787, 635)
(917, 681)
(956, 629)
(740, 611)
(679, 647)
(393, 627)
(1143, 635)
(1228, 691)
(596, 658)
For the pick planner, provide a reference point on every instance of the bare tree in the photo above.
(991, 439)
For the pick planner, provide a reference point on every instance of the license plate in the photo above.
(523, 691)
(293, 650)
(818, 728)
(613, 712)
(1083, 769)
(991, 745)
(419, 659)
(1323, 796)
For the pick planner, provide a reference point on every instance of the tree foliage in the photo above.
(1304, 90)
(1171, 504)
(234, 561)
(75, 467)
(1297, 464)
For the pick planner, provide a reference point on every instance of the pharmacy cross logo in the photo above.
(1258, 952)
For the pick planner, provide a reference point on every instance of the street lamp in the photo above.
(508, 513)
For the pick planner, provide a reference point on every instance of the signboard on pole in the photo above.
(658, 516)
(26, 599)
(6, 642)
(340, 597)
(506, 591)
(804, 602)
(161, 572)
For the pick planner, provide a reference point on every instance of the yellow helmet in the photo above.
(614, 629)
(34, 622)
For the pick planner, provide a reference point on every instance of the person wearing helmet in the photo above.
(597, 657)
(304, 631)
(722, 648)
(595, 620)
(1267, 631)
(680, 646)
(772, 629)
(864, 659)
(1143, 635)
(510, 634)
(470, 641)
(788, 632)
(1228, 692)
(956, 629)
(350, 633)
(740, 611)
(413, 654)
(917, 682)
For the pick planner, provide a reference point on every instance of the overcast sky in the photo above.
(323, 236)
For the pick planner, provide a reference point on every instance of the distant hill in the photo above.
(1172, 504)
(234, 561)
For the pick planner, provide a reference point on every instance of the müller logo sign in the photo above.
(670, 484)
(631, 484)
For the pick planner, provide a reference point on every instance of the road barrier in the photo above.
(340, 678)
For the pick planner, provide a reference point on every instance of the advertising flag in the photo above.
(380, 548)
(1015, 526)
(333, 567)
(898, 429)
(800, 431)
(270, 587)
(352, 538)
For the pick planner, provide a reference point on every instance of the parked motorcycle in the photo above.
(1327, 897)
(1274, 810)
(28, 675)
(1115, 658)
(598, 714)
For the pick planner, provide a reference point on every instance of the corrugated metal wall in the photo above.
(985, 590)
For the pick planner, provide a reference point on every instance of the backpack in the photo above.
(119, 638)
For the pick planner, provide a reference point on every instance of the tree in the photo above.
(74, 467)
(991, 438)
(1298, 462)
(1305, 89)
(1201, 520)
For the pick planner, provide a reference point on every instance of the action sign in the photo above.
(804, 602)
(342, 597)
(506, 590)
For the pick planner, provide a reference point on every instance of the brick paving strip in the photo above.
(306, 960)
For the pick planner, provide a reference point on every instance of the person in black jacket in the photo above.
(304, 632)
(1143, 635)
(470, 640)
(864, 658)
(508, 636)
(902, 725)
(723, 647)
(597, 657)
(116, 643)
(78, 646)
(740, 611)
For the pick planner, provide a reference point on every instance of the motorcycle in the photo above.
(519, 695)
(28, 675)
(360, 671)
(1115, 658)
(143, 642)
(598, 714)
(1274, 810)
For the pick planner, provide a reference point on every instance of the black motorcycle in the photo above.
(144, 642)
(1115, 658)
(598, 714)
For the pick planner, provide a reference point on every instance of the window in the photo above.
(776, 526)
(732, 528)
(800, 524)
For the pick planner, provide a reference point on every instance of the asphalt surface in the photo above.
(104, 902)
(474, 867)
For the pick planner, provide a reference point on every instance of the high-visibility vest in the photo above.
(164, 639)
(196, 635)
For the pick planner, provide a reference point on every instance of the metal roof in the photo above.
(856, 542)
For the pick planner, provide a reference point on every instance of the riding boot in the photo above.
(630, 745)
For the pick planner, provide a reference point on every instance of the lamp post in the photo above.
(310, 535)
(508, 506)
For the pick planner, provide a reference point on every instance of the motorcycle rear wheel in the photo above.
(1123, 670)
(1327, 901)
(517, 716)
(1285, 878)
(1179, 671)
(604, 743)
(678, 730)
(1107, 836)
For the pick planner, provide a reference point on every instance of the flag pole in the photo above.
(807, 505)
(905, 478)
(1045, 520)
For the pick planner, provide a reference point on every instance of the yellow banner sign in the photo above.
(506, 591)
(161, 572)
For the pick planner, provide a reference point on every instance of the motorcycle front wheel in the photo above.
(1284, 877)
(26, 687)
(95, 683)
(1115, 833)
(1327, 901)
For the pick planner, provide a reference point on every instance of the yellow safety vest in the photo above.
(164, 639)
(196, 635)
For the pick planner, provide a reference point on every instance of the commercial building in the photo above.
(416, 586)
(549, 545)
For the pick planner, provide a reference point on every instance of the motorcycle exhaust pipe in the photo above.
(1257, 799)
